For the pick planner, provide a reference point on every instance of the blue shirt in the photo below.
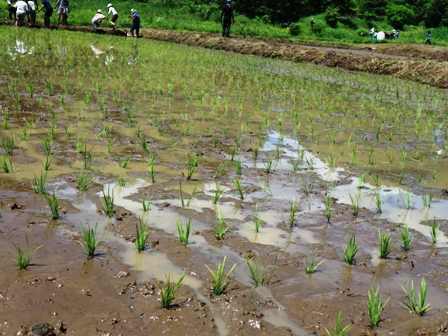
(136, 18)
(46, 4)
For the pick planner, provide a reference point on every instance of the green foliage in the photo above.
(376, 306)
(312, 266)
(416, 305)
(332, 16)
(53, 204)
(168, 293)
(338, 329)
(91, 242)
(399, 15)
(142, 234)
(386, 244)
(350, 250)
(23, 257)
(295, 29)
(219, 281)
(258, 274)
(183, 229)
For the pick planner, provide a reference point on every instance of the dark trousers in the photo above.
(12, 12)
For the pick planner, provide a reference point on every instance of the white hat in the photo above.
(132, 10)
(99, 11)
(109, 5)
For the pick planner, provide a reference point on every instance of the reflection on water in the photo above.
(20, 48)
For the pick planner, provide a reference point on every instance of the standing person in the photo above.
(135, 23)
(62, 11)
(428, 38)
(21, 11)
(114, 14)
(312, 24)
(372, 31)
(11, 10)
(48, 12)
(97, 18)
(227, 18)
(32, 13)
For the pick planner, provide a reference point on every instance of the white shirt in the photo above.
(112, 11)
(32, 5)
(22, 7)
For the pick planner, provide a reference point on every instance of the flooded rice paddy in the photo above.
(273, 162)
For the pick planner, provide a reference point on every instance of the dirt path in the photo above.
(419, 63)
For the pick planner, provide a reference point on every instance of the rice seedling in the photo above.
(268, 165)
(53, 204)
(23, 257)
(376, 178)
(402, 177)
(355, 201)
(330, 161)
(386, 244)
(255, 153)
(52, 132)
(6, 163)
(168, 293)
(121, 180)
(293, 213)
(80, 144)
(141, 235)
(312, 266)
(47, 145)
(416, 305)
(220, 169)
(256, 219)
(376, 306)
(23, 133)
(435, 231)
(338, 329)
(191, 163)
(91, 242)
(309, 162)
(265, 188)
(105, 131)
(87, 157)
(350, 250)
(218, 193)
(5, 118)
(328, 203)
(238, 186)
(406, 200)
(221, 226)
(233, 152)
(308, 188)
(144, 143)
(190, 198)
(220, 281)
(181, 195)
(110, 144)
(123, 163)
(258, 272)
(361, 180)
(238, 167)
(405, 238)
(146, 203)
(427, 199)
(295, 164)
(39, 183)
(433, 174)
(378, 202)
(183, 229)
(8, 143)
(107, 201)
(48, 161)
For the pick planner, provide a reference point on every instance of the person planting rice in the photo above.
(227, 18)
(62, 11)
(135, 23)
(32, 13)
(48, 12)
(21, 11)
(114, 14)
(11, 10)
(97, 18)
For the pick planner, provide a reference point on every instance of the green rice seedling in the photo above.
(107, 201)
(403, 154)
(52, 131)
(338, 329)
(221, 226)
(265, 188)
(371, 162)
(151, 167)
(256, 219)
(416, 305)
(312, 266)
(376, 306)
(23, 257)
(295, 164)
(355, 201)
(110, 144)
(105, 131)
(80, 144)
(146, 203)
(183, 229)
(350, 250)
(6, 118)
(220, 281)
(386, 244)
(293, 213)
(255, 153)
(402, 177)
(308, 188)
(405, 238)
(238, 167)
(50, 86)
(8, 143)
(268, 165)
(433, 174)
(361, 180)
(406, 200)
(181, 195)
(144, 143)
(328, 203)
(435, 231)
(121, 180)
(87, 157)
(190, 198)
(353, 156)
(218, 193)
(83, 181)
(53, 204)
(23, 133)
(278, 153)
(6, 163)
(47, 145)
(233, 152)
(427, 199)
(48, 161)
(91, 242)
(309, 162)
(139, 132)
(238, 187)
(69, 130)
(220, 169)
(123, 163)
(376, 178)
(330, 161)
(141, 235)
(191, 163)
(258, 272)
(39, 183)
(168, 293)
(378, 202)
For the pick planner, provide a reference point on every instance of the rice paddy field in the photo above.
(148, 188)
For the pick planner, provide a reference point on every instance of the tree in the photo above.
(399, 15)
(436, 13)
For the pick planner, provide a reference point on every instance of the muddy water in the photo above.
(288, 139)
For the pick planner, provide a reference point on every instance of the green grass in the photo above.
(23, 257)
(416, 305)
(91, 242)
(220, 281)
(168, 293)
(376, 306)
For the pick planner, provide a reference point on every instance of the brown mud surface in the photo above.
(419, 63)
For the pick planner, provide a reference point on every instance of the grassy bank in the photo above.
(155, 15)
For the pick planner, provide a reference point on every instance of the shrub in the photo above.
(295, 29)
(399, 15)
(332, 16)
